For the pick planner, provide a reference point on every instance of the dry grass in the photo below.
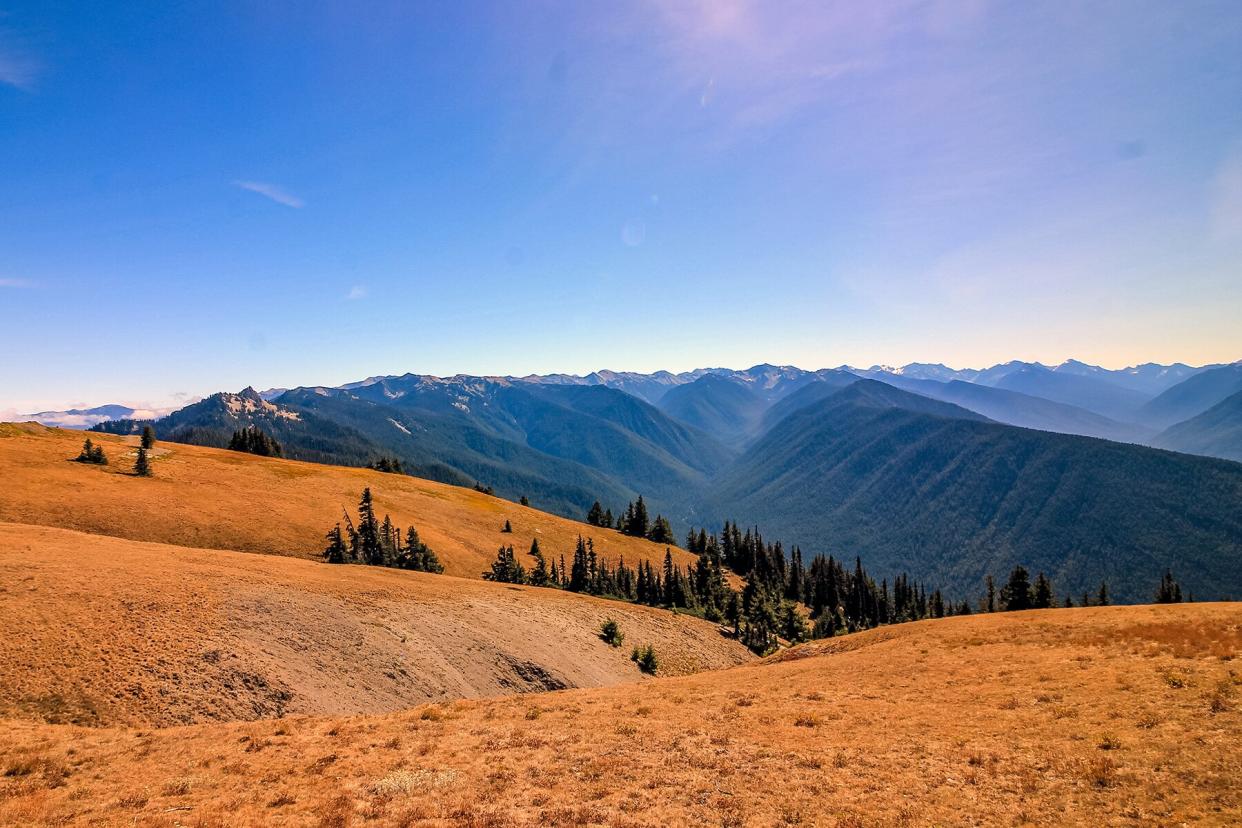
(122, 632)
(896, 737)
(217, 499)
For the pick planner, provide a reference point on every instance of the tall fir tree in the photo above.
(370, 548)
(142, 465)
(1043, 592)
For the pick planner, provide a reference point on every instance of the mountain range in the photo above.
(921, 469)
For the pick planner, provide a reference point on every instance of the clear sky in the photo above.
(199, 196)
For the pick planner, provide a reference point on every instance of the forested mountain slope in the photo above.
(1194, 396)
(875, 471)
(1216, 432)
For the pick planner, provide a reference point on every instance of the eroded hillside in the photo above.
(1102, 716)
(123, 632)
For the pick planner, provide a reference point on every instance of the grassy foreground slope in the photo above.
(105, 631)
(1102, 716)
(218, 499)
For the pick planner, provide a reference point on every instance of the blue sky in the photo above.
(197, 197)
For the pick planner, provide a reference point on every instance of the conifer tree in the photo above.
(610, 632)
(595, 516)
(148, 437)
(661, 531)
(991, 599)
(607, 521)
(1043, 593)
(1101, 597)
(579, 575)
(369, 546)
(389, 539)
(506, 568)
(335, 551)
(142, 465)
(1170, 591)
(645, 658)
(668, 578)
(92, 453)
(523, 500)
(733, 613)
(539, 573)
(417, 555)
(1016, 594)
(508, 528)
(636, 520)
(793, 627)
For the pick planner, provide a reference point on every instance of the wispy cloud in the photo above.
(17, 67)
(16, 283)
(357, 292)
(271, 191)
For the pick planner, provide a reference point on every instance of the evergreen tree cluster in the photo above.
(506, 569)
(635, 522)
(598, 516)
(1169, 591)
(391, 465)
(378, 543)
(92, 453)
(701, 589)
(778, 586)
(253, 440)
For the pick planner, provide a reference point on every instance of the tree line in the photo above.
(253, 440)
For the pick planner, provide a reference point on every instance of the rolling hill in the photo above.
(220, 499)
(167, 635)
(1216, 432)
(916, 485)
(1069, 717)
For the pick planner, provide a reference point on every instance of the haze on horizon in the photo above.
(198, 200)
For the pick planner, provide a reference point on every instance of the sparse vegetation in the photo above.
(611, 633)
(646, 659)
